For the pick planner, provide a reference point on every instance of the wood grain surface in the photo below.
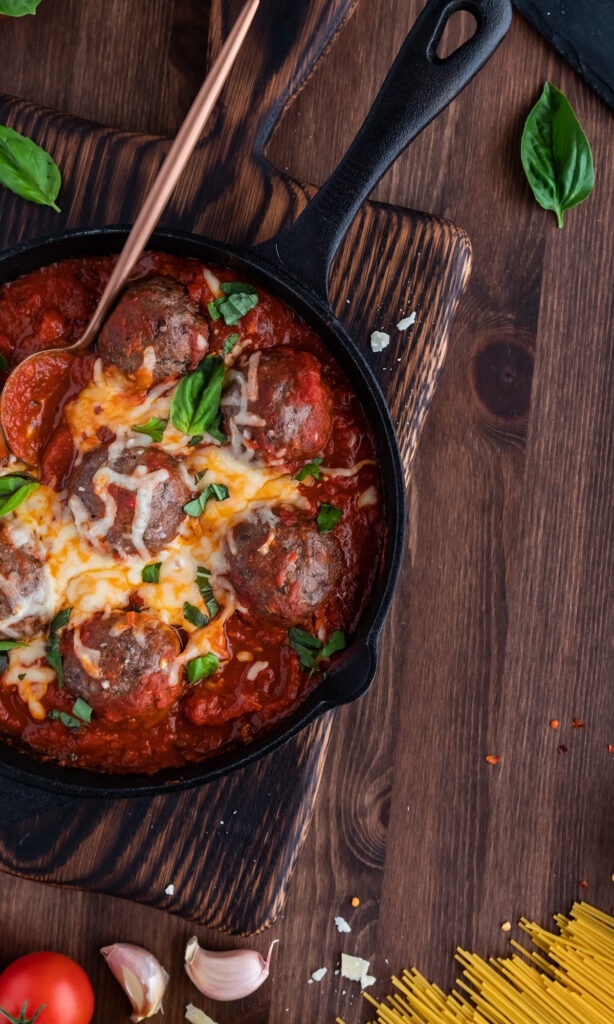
(503, 620)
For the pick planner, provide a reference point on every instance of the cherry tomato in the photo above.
(47, 988)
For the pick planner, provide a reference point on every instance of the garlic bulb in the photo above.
(141, 976)
(226, 975)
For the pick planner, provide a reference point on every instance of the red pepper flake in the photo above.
(611, 748)
(562, 749)
(355, 901)
(554, 723)
(583, 884)
(493, 758)
(578, 723)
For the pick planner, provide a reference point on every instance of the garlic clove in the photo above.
(141, 976)
(231, 974)
(195, 1016)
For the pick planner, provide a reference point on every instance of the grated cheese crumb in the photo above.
(406, 322)
(379, 341)
(342, 925)
(354, 968)
(196, 1016)
(319, 974)
(367, 980)
(170, 890)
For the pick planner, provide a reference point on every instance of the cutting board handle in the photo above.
(417, 88)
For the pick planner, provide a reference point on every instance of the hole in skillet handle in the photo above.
(458, 30)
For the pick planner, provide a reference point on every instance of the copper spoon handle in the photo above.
(169, 173)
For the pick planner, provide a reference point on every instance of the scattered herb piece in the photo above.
(219, 492)
(52, 647)
(9, 645)
(310, 650)
(198, 476)
(236, 301)
(196, 400)
(154, 428)
(17, 8)
(68, 720)
(4, 363)
(195, 441)
(151, 573)
(14, 489)
(206, 590)
(26, 169)
(336, 642)
(328, 517)
(310, 469)
(194, 615)
(214, 429)
(21, 676)
(82, 710)
(556, 155)
(230, 343)
(203, 667)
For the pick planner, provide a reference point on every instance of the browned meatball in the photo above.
(122, 665)
(280, 404)
(26, 598)
(154, 325)
(130, 503)
(280, 565)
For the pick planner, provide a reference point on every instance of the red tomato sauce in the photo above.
(230, 708)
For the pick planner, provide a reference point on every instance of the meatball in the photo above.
(122, 665)
(154, 326)
(280, 405)
(26, 593)
(128, 503)
(280, 565)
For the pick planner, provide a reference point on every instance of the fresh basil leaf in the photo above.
(4, 363)
(17, 8)
(556, 155)
(14, 489)
(310, 469)
(219, 492)
(68, 720)
(306, 646)
(230, 343)
(82, 710)
(10, 645)
(28, 170)
(336, 642)
(206, 590)
(154, 428)
(202, 667)
(196, 399)
(194, 615)
(215, 431)
(151, 573)
(236, 301)
(328, 517)
(52, 647)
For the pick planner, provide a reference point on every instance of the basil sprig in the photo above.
(196, 401)
(14, 489)
(236, 301)
(52, 647)
(310, 650)
(28, 170)
(17, 8)
(328, 517)
(219, 492)
(154, 428)
(206, 590)
(203, 667)
(556, 155)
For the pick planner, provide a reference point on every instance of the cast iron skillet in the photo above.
(295, 266)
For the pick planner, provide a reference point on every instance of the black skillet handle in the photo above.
(418, 86)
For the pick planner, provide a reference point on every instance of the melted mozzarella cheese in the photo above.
(30, 663)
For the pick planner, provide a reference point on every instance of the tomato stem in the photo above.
(22, 1019)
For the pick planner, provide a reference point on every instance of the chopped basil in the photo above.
(52, 647)
(195, 440)
(196, 400)
(206, 590)
(26, 169)
(194, 615)
(203, 667)
(328, 517)
(82, 710)
(219, 492)
(4, 364)
(151, 573)
(310, 650)
(236, 301)
(21, 676)
(198, 476)
(14, 489)
(68, 720)
(230, 343)
(154, 428)
(9, 645)
(310, 469)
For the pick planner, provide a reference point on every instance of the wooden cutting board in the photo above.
(228, 849)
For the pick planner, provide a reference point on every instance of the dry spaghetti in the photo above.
(569, 981)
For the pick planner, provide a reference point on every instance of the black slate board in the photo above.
(583, 33)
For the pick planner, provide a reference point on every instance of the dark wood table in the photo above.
(504, 619)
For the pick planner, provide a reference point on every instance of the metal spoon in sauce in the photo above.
(26, 379)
